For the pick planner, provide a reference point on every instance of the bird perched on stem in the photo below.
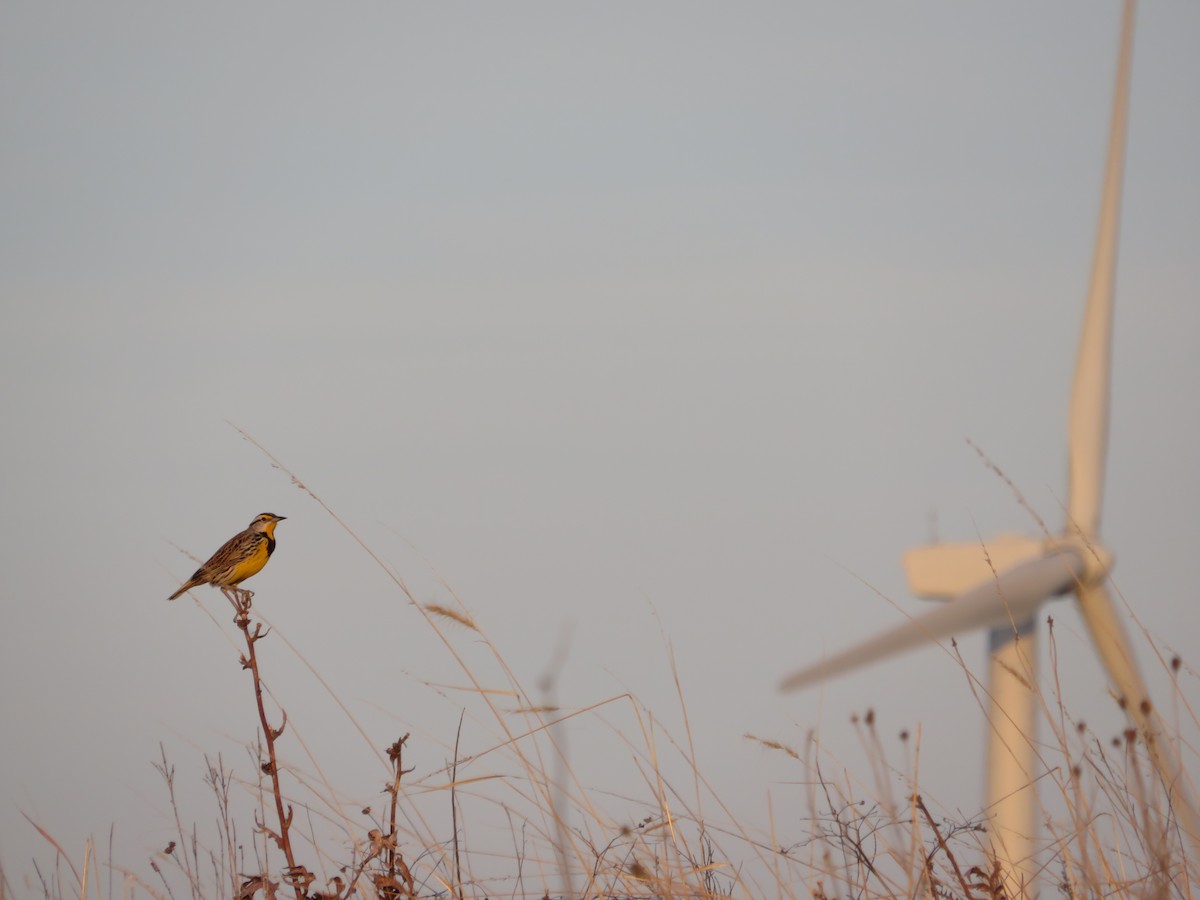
(241, 556)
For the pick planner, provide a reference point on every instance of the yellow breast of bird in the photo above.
(252, 564)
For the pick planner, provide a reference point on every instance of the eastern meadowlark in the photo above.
(240, 557)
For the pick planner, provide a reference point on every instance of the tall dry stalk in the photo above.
(295, 875)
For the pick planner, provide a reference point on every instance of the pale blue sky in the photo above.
(613, 317)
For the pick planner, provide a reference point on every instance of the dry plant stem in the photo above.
(386, 884)
(395, 861)
(454, 808)
(182, 859)
(219, 780)
(298, 877)
(60, 853)
(941, 845)
(846, 838)
(111, 832)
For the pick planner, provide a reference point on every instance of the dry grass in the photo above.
(515, 819)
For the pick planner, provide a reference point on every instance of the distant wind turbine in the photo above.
(1003, 589)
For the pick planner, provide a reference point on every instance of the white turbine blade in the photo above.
(1008, 599)
(1088, 422)
(1114, 650)
(1108, 635)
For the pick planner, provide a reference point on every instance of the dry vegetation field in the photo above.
(515, 820)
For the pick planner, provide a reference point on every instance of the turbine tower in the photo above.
(1002, 587)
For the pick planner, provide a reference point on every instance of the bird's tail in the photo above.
(185, 587)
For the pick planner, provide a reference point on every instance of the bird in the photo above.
(241, 556)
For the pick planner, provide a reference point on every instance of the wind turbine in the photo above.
(1002, 588)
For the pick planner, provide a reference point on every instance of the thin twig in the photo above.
(458, 890)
